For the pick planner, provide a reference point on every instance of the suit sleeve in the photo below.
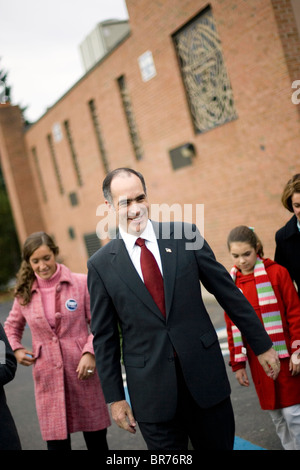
(104, 327)
(218, 282)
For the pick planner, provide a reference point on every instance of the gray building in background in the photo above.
(104, 37)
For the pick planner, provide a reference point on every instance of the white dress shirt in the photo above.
(134, 250)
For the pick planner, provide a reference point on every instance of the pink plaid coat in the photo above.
(64, 403)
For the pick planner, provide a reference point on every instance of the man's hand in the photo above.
(270, 363)
(122, 414)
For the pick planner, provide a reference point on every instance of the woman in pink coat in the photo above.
(55, 304)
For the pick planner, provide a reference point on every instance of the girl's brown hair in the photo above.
(291, 187)
(25, 275)
(245, 234)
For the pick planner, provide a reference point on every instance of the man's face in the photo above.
(130, 203)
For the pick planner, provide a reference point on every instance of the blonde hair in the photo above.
(245, 234)
(25, 275)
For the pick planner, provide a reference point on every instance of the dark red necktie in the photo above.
(152, 276)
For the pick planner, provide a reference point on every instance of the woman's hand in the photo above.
(86, 366)
(24, 357)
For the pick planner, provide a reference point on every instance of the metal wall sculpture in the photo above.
(204, 73)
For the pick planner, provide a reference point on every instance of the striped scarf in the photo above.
(270, 314)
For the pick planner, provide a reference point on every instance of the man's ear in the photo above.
(110, 206)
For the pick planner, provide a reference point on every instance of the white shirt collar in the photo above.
(134, 251)
(129, 240)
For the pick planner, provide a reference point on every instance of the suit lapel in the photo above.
(168, 254)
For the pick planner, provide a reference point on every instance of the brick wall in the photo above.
(240, 167)
(19, 181)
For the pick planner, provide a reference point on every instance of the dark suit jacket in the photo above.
(119, 295)
(9, 439)
(287, 251)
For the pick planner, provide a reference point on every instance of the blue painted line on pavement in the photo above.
(242, 444)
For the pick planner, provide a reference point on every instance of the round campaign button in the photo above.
(71, 305)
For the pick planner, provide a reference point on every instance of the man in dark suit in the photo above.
(175, 371)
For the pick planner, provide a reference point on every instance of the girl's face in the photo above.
(244, 256)
(43, 262)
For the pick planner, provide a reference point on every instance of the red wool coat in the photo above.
(285, 391)
(64, 403)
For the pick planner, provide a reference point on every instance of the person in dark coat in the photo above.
(287, 238)
(9, 438)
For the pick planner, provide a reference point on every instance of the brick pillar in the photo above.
(17, 173)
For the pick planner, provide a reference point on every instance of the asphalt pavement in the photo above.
(254, 428)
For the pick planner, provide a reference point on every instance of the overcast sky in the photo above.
(39, 46)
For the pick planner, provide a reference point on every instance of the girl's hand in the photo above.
(294, 365)
(24, 357)
(242, 377)
(86, 366)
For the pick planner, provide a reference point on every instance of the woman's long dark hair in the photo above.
(25, 275)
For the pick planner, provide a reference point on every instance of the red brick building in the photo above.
(197, 97)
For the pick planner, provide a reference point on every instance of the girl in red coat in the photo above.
(271, 292)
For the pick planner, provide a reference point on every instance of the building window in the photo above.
(92, 243)
(97, 129)
(127, 105)
(39, 173)
(296, 11)
(204, 73)
(54, 161)
(73, 153)
(73, 199)
(71, 233)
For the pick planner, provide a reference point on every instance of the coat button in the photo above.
(54, 339)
